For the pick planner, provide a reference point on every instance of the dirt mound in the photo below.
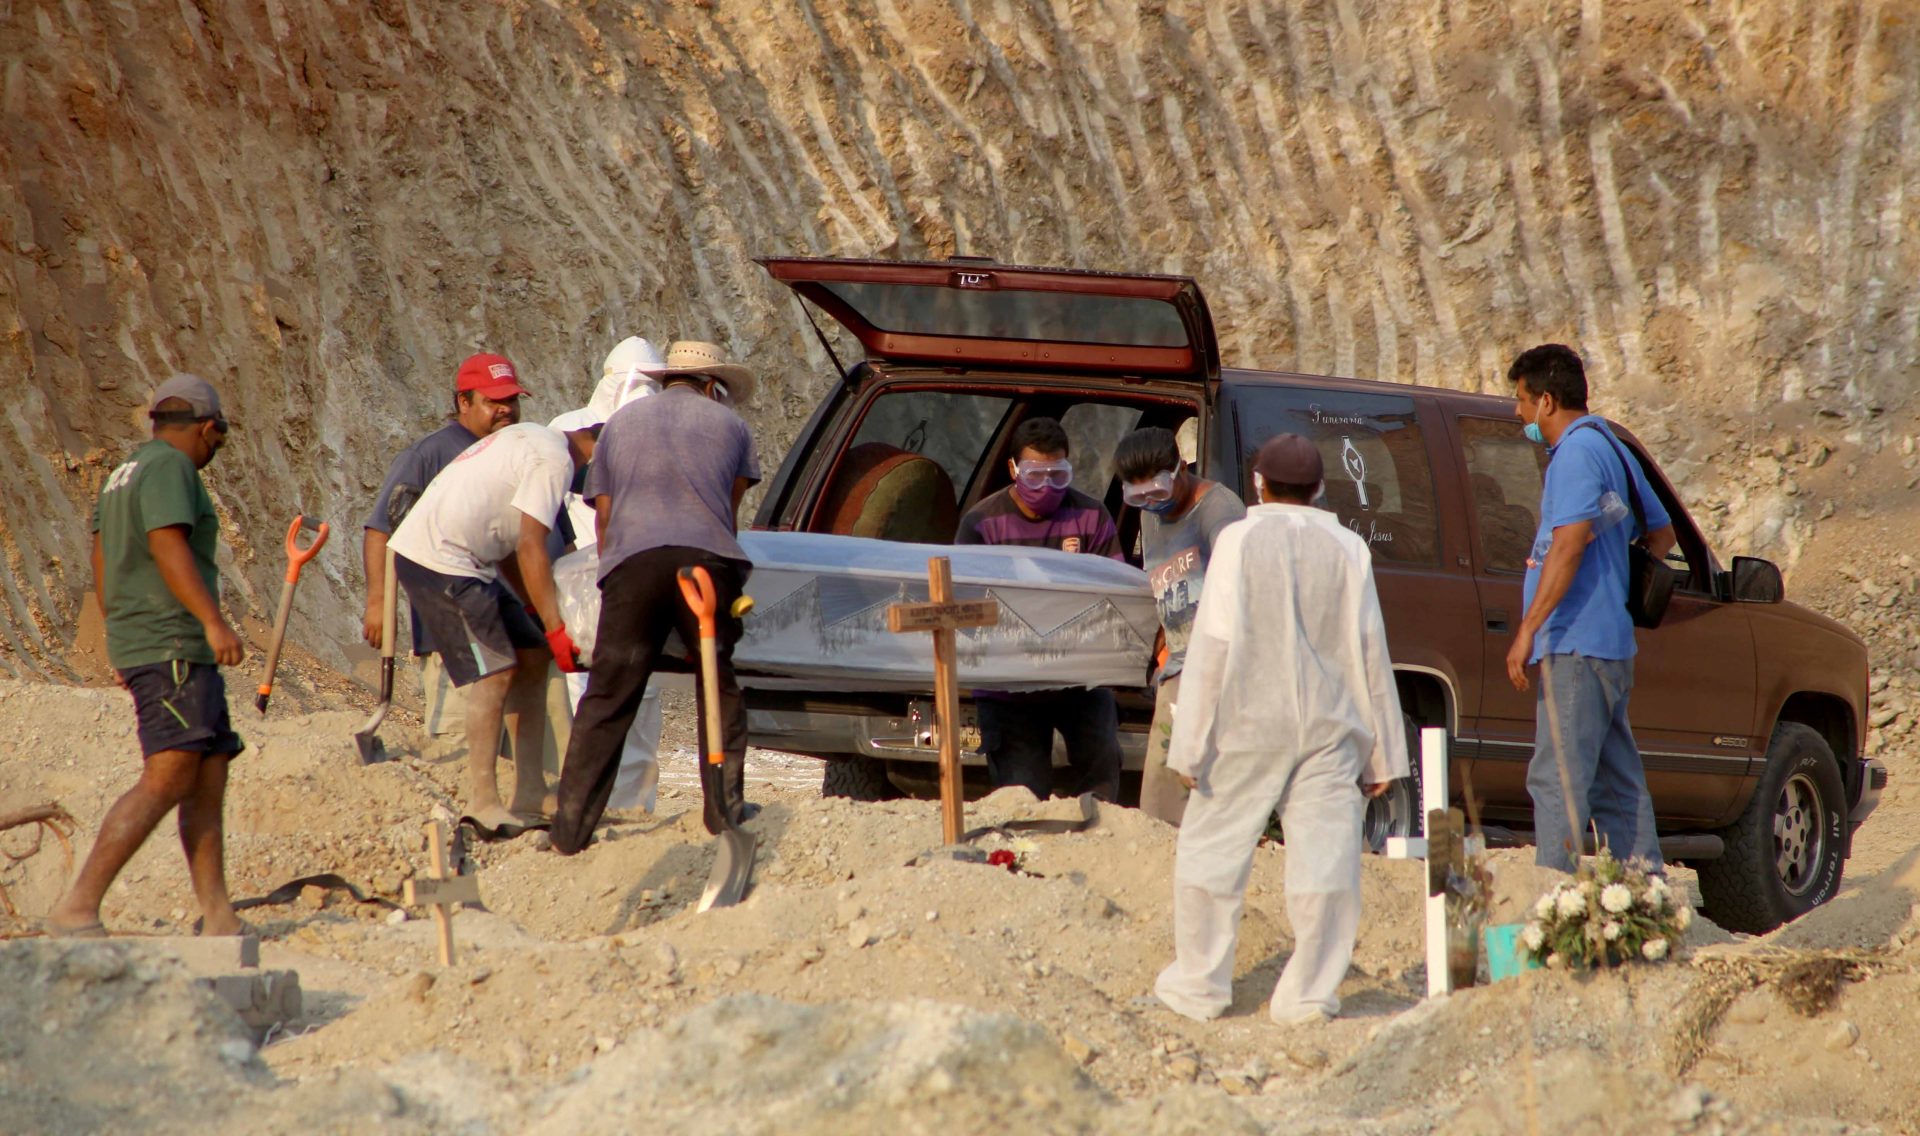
(784, 1068)
(91, 1037)
(580, 963)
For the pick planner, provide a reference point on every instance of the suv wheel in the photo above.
(1397, 811)
(857, 778)
(1786, 853)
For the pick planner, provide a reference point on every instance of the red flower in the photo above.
(1001, 858)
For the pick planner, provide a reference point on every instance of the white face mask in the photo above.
(1259, 487)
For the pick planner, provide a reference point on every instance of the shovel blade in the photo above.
(732, 869)
(371, 751)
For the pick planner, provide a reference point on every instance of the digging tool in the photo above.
(399, 502)
(297, 558)
(367, 739)
(733, 859)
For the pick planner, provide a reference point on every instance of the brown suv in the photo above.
(1749, 711)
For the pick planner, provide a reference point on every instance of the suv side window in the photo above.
(951, 427)
(1378, 479)
(1504, 475)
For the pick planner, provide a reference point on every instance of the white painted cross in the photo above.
(1433, 797)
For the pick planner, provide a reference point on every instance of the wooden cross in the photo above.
(1443, 847)
(441, 890)
(943, 615)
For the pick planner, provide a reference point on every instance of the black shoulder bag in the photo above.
(1650, 583)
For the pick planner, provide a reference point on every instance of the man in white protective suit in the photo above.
(1287, 702)
(628, 374)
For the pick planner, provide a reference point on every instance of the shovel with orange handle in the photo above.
(297, 558)
(733, 860)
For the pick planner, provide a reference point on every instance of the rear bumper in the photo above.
(1873, 781)
(908, 737)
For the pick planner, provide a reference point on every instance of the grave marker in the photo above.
(944, 616)
(441, 890)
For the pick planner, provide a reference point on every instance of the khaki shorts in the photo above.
(1162, 796)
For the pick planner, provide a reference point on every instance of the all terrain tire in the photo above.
(1786, 853)
(857, 779)
(1397, 811)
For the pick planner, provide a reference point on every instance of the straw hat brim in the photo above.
(739, 380)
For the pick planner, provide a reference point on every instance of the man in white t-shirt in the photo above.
(471, 548)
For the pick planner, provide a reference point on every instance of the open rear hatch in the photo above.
(977, 314)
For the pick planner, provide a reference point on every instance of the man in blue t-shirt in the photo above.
(1585, 764)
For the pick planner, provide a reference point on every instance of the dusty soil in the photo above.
(861, 980)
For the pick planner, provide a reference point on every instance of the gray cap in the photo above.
(193, 390)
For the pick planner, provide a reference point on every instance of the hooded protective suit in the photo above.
(623, 378)
(1287, 701)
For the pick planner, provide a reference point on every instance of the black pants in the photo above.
(1016, 731)
(640, 605)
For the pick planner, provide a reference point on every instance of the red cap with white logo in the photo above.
(491, 375)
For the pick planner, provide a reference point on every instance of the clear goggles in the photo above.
(1152, 491)
(1043, 475)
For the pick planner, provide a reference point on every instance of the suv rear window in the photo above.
(1378, 479)
(1063, 317)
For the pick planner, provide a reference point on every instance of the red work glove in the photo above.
(566, 656)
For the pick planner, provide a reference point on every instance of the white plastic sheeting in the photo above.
(820, 614)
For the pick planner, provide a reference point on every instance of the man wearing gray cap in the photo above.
(1287, 701)
(154, 538)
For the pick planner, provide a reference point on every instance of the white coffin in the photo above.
(820, 615)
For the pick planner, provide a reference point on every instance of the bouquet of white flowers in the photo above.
(1606, 914)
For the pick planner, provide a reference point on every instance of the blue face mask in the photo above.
(1160, 508)
(1534, 435)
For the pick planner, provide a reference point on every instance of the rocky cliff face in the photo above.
(323, 205)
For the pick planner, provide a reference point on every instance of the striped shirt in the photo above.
(1080, 524)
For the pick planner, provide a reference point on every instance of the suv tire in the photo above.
(1397, 811)
(1786, 853)
(857, 779)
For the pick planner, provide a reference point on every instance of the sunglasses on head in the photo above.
(1152, 491)
(1043, 475)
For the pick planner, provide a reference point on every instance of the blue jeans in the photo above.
(1583, 748)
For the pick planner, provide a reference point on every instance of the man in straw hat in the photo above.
(1287, 700)
(628, 373)
(666, 486)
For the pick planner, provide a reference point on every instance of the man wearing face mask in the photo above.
(666, 487)
(1182, 518)
(1042, 510)
(154, 539)
(1585, 764)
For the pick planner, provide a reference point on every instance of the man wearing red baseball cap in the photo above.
(486, 398)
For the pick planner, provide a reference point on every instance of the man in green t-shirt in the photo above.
(154, 534)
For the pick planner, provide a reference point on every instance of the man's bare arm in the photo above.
(373, 557)
(1660, 541)
(535, 569)
(740, 487)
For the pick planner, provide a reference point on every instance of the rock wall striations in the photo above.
(322, 205)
